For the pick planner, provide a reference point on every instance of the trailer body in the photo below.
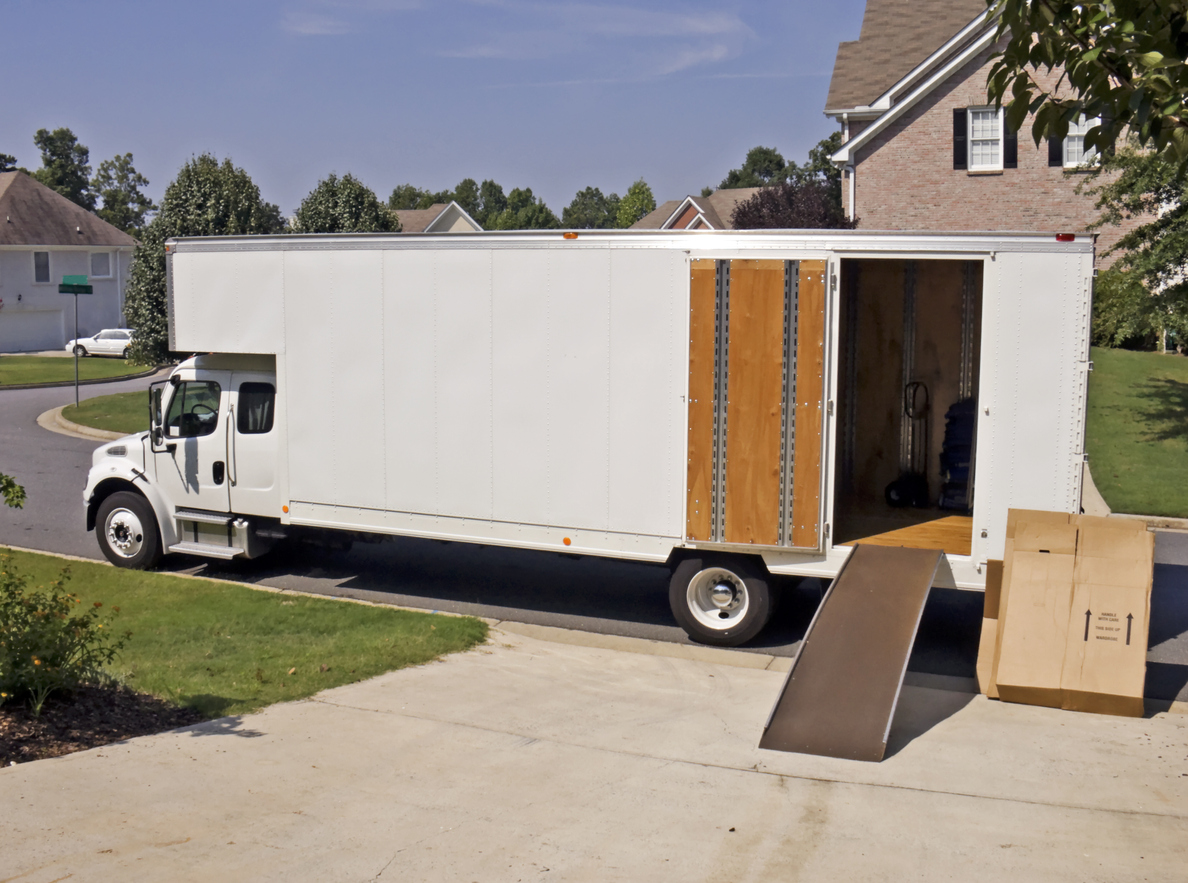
(643, 396)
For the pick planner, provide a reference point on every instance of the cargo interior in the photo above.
(909, 349)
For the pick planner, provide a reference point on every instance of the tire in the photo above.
(126, 528)
(80, 350)
(736, 615)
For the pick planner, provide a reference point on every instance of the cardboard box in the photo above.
(1072, 614)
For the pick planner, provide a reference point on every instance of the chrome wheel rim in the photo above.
(124, 532)
(718, 598)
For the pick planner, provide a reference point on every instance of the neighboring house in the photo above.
(43, 237)
(924, 148)
(438, 218)
(711, 212)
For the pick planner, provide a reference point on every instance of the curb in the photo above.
(55, 422)
(93, 382)
(622, 643)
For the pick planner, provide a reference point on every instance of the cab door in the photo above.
(191, 458)
(251, 460)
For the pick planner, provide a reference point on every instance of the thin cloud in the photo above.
(691, 57)
(675, 41)
(311, 24)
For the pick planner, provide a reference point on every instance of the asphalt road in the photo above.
(592, 594)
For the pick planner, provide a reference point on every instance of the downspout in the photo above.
(850, 171)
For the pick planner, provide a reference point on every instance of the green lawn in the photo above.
(124, 412)
(1137, 434)
(53, 369)
(225, 649)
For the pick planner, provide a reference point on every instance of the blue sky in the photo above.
(555, 96)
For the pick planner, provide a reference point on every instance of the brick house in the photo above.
(924, 148)
(43, 237)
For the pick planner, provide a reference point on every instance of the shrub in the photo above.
(48, 641)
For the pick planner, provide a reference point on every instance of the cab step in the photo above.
(207, 549)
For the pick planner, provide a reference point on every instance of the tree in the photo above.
(344, 205)
(1122, 61)
(523, 212)
(763, 166)
(65, 166)
(118, 184)
(13, 493)
(791, 206)
(636, 202)
(8, 162)
(590, 210)
(468, 197)
(492, 203)
(207, 198)
(1145, 293)
(820, 168)
(406, 196)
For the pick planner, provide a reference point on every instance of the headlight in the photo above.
(117, 451)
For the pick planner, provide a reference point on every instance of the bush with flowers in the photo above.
(49, 639)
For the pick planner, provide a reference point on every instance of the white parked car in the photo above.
(109, 342)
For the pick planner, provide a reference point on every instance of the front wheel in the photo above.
(127, 531)
(80, 350)
(721, 600)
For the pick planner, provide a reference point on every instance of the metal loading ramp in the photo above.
(841, 693)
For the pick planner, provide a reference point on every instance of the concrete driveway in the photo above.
(534, 759)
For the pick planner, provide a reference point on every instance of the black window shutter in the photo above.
(1010, 148)
(1055, 151)
(960, 152)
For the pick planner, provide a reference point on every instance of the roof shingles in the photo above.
(31, 214)
(897, 35)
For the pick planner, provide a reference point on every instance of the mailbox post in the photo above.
(75, 285)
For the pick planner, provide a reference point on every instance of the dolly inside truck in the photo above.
(732, 403)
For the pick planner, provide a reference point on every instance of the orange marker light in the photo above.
(567, 541)
(570, 235)
(285, 509)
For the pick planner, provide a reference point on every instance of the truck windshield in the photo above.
(194, 410)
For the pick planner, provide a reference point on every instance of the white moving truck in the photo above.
(740, 405)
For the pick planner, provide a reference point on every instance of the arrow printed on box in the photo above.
(1088, 616)
(1129, 618)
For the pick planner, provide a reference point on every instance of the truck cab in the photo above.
(203, 479)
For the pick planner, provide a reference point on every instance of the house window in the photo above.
(1074, 155)
(101, 265)
(985, 139)
(41, 267)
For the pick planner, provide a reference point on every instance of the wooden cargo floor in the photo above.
(952, 534)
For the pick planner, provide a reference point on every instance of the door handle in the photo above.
(219, 470)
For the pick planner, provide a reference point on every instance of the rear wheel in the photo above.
(721, 600)
(127, 531)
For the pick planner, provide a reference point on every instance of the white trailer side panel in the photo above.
(523, 386)
(235, 298)
(649, 377)
(334, 357)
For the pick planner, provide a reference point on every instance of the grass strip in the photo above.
(1137, 432)
(124, 412)
(55, 369)
(224, 649)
